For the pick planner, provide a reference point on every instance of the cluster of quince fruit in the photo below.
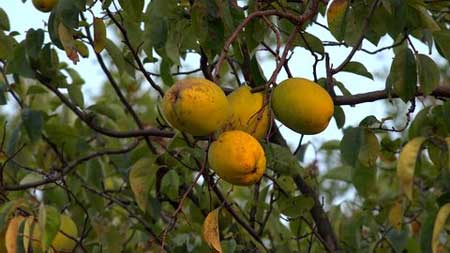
(28, 229)
(200, 107)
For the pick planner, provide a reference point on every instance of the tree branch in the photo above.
(298, 20)
(360, 40)
(116, 88)
(66, 170)
(135, 54)
(441, 91)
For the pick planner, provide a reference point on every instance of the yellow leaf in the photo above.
(99, 35)
(396, 215)
(82, 49)
(336, 15)
(211, 230)
(66, 38)
(141, 178)
(407, 163)
(439, 223)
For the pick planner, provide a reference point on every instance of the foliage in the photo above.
(133, 184)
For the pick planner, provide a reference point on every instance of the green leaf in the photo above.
(407, 163)
(142, 177)
(310, 42)
(357, 68)
(133, 8)
(364, 179)
(165, 72)
(342, 173)
(359, 146)
(49, 222)
(403, 74)
(109, 110)
(295, 206)
(3, 89)
(4, 21)
(426, 19)
(442, 40)
(257, 72)
(281, 160)
(7, 45)
(370, 149)
(6, 209)
(336, 18)
(170, 184)
(426, 231)
(398, 239)
(19, 63)
(429, 74)
(33, 42)
(33, 122)
(67, 11)
(448, 148)
(99, 35)
(339, 116)
(76, 95)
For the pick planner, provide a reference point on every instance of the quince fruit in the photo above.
(237, 158)
(196, 106)
(44, 5)
(248, 112)
(302, 105)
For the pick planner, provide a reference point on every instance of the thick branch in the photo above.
(441, 91)
(325, 230)
(90, 122)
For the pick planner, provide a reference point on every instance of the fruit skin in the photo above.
(60, 243)
(237, 158)
(248, 112)
(44, 5)
(195, 106)
(302, 105)
(11, 234)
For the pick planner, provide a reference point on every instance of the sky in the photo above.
(24, 16)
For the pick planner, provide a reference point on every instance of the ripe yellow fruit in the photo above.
(302, 105)
(195, 106)
(61, 243)
(248, 112)
(237, 158)
(11, 234)
(44, 5)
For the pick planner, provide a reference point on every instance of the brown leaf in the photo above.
(396, 215)
(211, 230)
(66, 38)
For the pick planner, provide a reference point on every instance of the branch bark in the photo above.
(441, 91)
